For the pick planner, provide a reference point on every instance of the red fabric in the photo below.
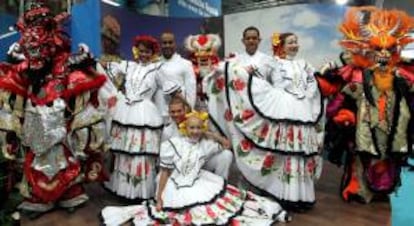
(79, 82)
(11, 81)
(36, 178)
(407, 72)
(350, 73)
(328, 88)
(345, 117)
(52, 92)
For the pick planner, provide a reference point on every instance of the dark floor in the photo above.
(330, 210)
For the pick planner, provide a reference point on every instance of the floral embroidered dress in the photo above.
(273, 125)
(136, 128)
(193, 196)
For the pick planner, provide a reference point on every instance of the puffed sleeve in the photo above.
(312, 88)
(116, 68)
(167, 153)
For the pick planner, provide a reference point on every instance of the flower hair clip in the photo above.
(275, 39)
(203, 116)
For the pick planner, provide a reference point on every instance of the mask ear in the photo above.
(353, 46)
(405, 41)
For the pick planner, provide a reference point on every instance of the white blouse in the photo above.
(186, 158)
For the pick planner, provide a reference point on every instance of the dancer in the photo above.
(375, 101)
(138, 120)
(273, 122)
(188, 195)
(203, 50)
(50, 111)
(218, 163)
(177, 68)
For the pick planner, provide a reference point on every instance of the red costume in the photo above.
(49, 111)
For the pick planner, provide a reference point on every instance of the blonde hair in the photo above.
(203, 116)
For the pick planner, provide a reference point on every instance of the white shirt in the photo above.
(262, 62)
(181, 72)
(169, 131)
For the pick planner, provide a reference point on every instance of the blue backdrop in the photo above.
(194, 8)
(133, 24)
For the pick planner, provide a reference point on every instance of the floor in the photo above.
(330, 210)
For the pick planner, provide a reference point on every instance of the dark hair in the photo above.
(278, 49)
(180, 100)
(251, 28)
(283, 37)
(167, 32)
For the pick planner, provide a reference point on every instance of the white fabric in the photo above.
(136, 128)
(186, 158)
(198, 198)
(294, 87)
(107, 91)
(133, 176)
(260, 61)
(220, 163)
(141, 105)
(169, 131)
(289, 176)
(181, 72)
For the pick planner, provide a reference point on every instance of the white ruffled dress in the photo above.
(274, 123)
(136, 128)
(193, 196)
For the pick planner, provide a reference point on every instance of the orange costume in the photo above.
(373, 101)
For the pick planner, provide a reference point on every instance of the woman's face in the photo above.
(194, 128)
(145, 53)
(291, 46)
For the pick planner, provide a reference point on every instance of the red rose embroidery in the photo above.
(268, 161)
(290, 135)
(220, 83)
(220, 205)
(238, 84)
(246, 145)
(311, 165)
(264, 131)
(139, 170)
(235, 222)
(210, 212)
(300, 137)
(228, 116)
(288, 167)
(233, 190)
(187, 218)
(247, 114)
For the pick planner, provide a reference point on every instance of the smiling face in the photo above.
(177, 112)
(194, 128)
(168, 45)
(251, 40)
(145, 53)
(291, 46)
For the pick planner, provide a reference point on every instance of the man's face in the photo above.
(251, 41)
(167, 45)
(177, 112)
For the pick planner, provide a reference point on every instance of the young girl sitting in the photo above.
(188, 195)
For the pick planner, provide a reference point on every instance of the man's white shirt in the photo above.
(181, 71)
